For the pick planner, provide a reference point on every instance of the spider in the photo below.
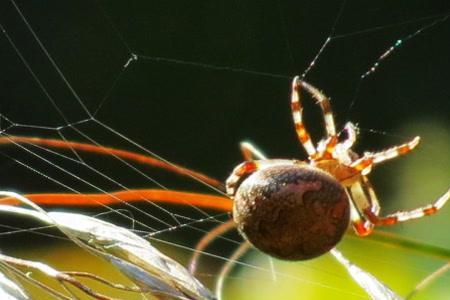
(297, 210)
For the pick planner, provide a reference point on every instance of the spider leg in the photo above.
(324, 103)
(395, 151)
(326, 148)
(365, 163)
(352, 132)
(363, 195)
(250, 152)
(342, 150)
(241, 170)
(206, 240)
(362, 198)
(297, 109)
(361, 226)
(402, 216)
(248, 167)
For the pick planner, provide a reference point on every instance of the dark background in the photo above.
(197, 115)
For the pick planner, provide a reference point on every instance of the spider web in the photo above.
(187, 82)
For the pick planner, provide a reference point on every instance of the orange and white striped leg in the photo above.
(241, 170)
(250, 152)
(365, 163)
(363, 198)
(361, 226)
(402, 216)
(342, 151)
(324, 103)
(326, 145)
(297, 110)
(326, 148)
(352, 132)
(395, 151)
(248, 167)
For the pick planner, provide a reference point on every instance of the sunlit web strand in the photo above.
(70, 174)
(158, 59)
(82, 163)
(155, 231)
(389, 52)
(89, 167)
(399, 43)
(331, 37)
(170, 227)
(111, 180)
(327, 40)
(383, 27)
(78, 146)
(145, 234)
(17, 230)
(213, 218)
(80, 159)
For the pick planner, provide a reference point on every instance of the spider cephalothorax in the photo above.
(298, 210)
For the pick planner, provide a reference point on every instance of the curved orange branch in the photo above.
(166, 196)
(127, 155)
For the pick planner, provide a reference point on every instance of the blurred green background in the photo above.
(210, 74)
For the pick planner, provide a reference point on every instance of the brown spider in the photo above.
(297, 210)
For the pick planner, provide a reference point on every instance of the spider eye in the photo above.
(293, 212)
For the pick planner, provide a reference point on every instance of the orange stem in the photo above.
(167, 196)
(128, 155)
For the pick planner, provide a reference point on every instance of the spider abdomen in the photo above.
(293, 212)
